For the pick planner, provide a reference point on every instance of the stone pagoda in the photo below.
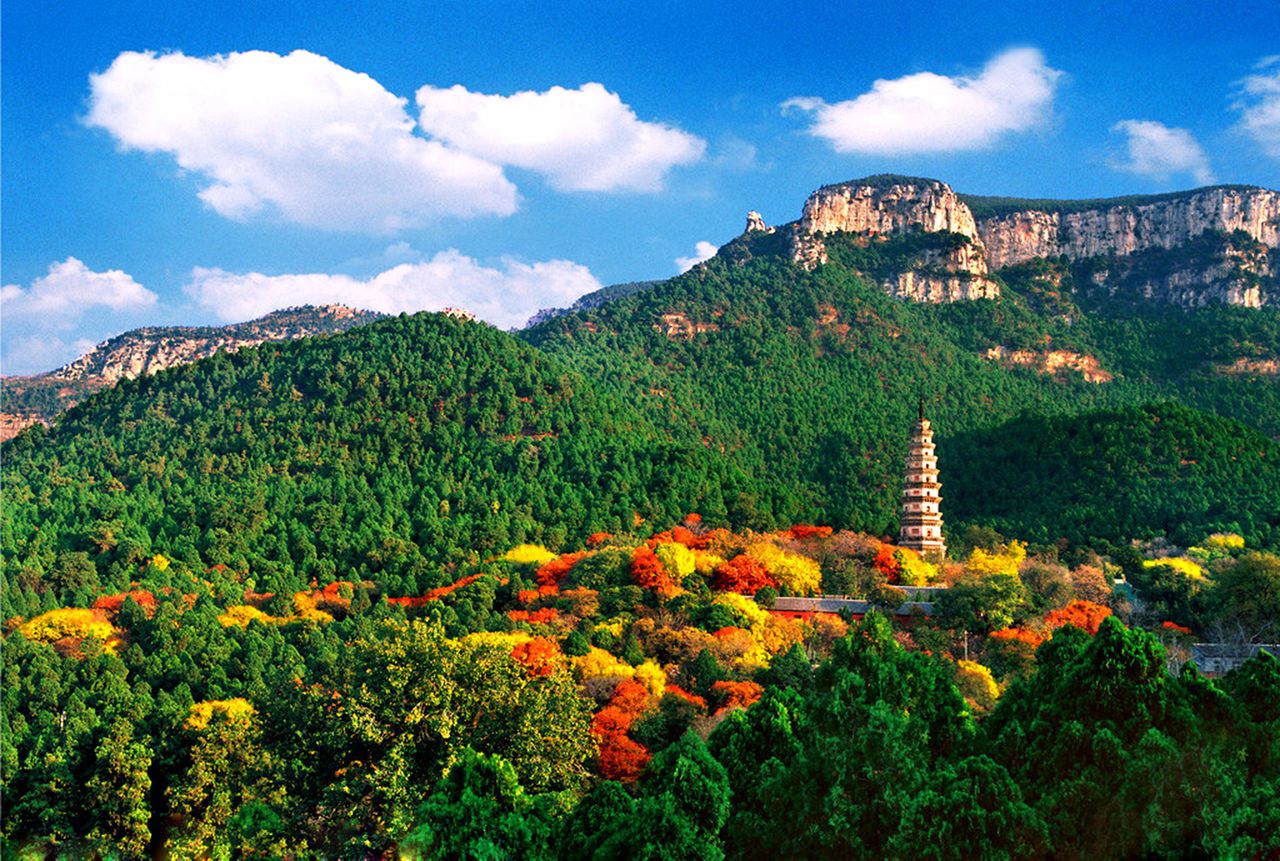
(921, 528)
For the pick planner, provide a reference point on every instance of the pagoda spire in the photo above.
(921, 522)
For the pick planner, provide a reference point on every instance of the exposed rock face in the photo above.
(953, 275)
(1126, 228)
(37, 399)
(755, 223)
(1052, 362)
(1219, 244)
(879, 208)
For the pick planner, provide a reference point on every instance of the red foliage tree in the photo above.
(649, 573)
(557, 569)
(804, 530)
(1017, 635)
(1083, 614)
(539, 656)
(735, 695)
(743, 574)
(887, 563)
(621, 757)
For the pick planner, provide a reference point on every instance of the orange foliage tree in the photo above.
(1083, 614)
(735, 695)
(743, 574)
(557, 569)
(621, 757)
(648, 572)
(538, 656)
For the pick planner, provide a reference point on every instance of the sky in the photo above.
(200, 163)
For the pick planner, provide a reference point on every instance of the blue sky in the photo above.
(193, 163)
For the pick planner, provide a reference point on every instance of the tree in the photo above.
(480, 810)
(117, 794)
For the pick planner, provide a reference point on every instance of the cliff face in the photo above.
(1118, 229)
(38, 399)
(882, 208)
(1190, 249)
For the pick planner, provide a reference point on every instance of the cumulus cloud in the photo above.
(702, 251)
(586, 139)
(505, 295)
(69, 290)
(33, 354)
(298, 136)
(1153, 149)
(1258, 102)
(70, 298)
(931, 113)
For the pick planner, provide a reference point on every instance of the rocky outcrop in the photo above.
(880, 209)
(1122, 227)
(1194, 248)
(1051, 362)
(38, 399)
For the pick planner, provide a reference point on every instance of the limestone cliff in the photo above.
(1083, 229)
(1210, 245)
(883, 208)
(37, 399)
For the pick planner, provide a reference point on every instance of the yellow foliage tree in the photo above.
(1004, 560)
(652, 677)
(598, 663)
(976, 684)
(236, 710)
(679, 560)
(914, 570)
(798, 574)
(68, 622)
(240, 615)
(528, 554)
(706, 563)
(1180, 564)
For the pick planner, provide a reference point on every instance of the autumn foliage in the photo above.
(112, 603)
(621, 757)
(435, 594)
(1085, 615)
(538, 655)
(735, 695)
(649, 573)
(742, 574)
(557, 569)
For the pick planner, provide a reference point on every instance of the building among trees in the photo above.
(921, 522)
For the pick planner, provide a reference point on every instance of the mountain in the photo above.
(1216, 244)
(594, 299)
(761, 388)
(37, 399)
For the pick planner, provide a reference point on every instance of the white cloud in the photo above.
(586, 139)
(1259, 106)
(70, 289)
(931, 113)
(702, 251)
(296, 135)
(33, 354)
(1153, 149)
(71, 297)
(506, 295)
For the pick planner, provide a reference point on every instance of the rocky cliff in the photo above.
(1219, 244)
(882, 208)
(1017, 231)
(37, 399)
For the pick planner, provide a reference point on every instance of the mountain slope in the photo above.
(37, 399)
(751, 389)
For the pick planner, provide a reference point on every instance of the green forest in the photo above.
(426, 589)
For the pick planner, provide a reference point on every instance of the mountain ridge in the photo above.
(38, 398)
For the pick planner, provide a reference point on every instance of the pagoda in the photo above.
(921, 528)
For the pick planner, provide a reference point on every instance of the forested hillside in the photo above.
(749, 389)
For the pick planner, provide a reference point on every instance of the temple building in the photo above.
(921, 528)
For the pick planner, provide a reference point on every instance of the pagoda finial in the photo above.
(921, 416)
